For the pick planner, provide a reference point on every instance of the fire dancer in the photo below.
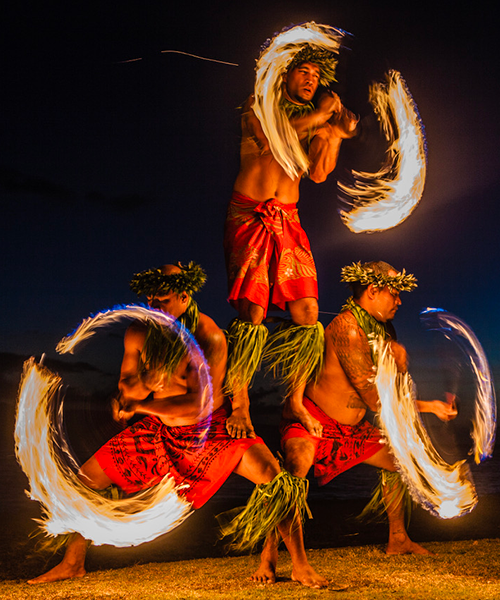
(285, 135)
(184, 435)
(345, 390)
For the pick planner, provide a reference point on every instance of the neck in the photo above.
(293, 109)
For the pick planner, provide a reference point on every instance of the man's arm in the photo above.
(187, 405)
(131, 385)
(328, 105)
(325, 146)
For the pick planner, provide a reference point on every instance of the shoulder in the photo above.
(135, 334)
(208, 333)
(345, 328)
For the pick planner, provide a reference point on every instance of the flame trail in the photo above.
(385, 199)
(68, 505)
(445, 490)
(484, 423)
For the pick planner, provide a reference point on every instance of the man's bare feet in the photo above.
(239, 424)
(60, 572)
(266, 573)
(307, 576)
(400, 543)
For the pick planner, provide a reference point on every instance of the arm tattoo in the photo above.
(353, 351)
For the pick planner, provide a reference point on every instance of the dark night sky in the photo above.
(108, 168)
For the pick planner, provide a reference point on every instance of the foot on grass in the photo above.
(58, 573)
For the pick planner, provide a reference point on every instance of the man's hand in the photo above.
(123, 411)
(329, 103)
(445, 411)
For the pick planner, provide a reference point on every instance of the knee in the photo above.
(92, 475)
(304, 311)
(299, 456)
(250, 312)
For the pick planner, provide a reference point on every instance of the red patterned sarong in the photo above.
(141, 455)
(265, 246)
(341, 446)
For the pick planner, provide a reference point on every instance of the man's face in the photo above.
(302, 82)
(385, 304)
(171, 303)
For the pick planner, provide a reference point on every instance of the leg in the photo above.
(260, 466)
(246, 340)
(304, 312)
(73, 562)
(399, 541)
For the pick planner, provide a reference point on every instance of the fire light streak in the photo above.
(484, 423)
(271, 66)
(445, 490)
(385, 199)
(68, 505)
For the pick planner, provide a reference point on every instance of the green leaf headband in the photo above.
(153, 281)
(402, 282)
(325, 59)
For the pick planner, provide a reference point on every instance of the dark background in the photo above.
(110, 167)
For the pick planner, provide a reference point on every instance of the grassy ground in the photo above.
(468, 570)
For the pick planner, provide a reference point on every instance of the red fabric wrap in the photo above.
(266, 246)
(341, 446)
(202, 455)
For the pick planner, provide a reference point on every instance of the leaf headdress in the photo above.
(365, 274)
(153, 282)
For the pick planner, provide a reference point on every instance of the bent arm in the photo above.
(131, 385)
(187, 405)
(323, 153)
(328, 104)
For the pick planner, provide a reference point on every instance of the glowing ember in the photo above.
(484, 423)
(384, 199)
(68, 505)
(445, 490)
(271, 66)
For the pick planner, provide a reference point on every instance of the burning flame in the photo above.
(68, 505)
(445, 490)
(484, 423)
(384, 199)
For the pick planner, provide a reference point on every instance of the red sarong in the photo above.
(265, 246)
(202, 455)
(341, 446)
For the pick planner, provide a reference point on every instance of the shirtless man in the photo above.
(344, 392)
(268, 256)
(168, 395)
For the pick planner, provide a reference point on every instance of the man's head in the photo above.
(376, 286)
(301, 82)
(169, 288)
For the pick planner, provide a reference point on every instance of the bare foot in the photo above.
(266, 573)
(307, 576)
(60, 572)
(400, 543)
(239, 425)
(313, 426)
